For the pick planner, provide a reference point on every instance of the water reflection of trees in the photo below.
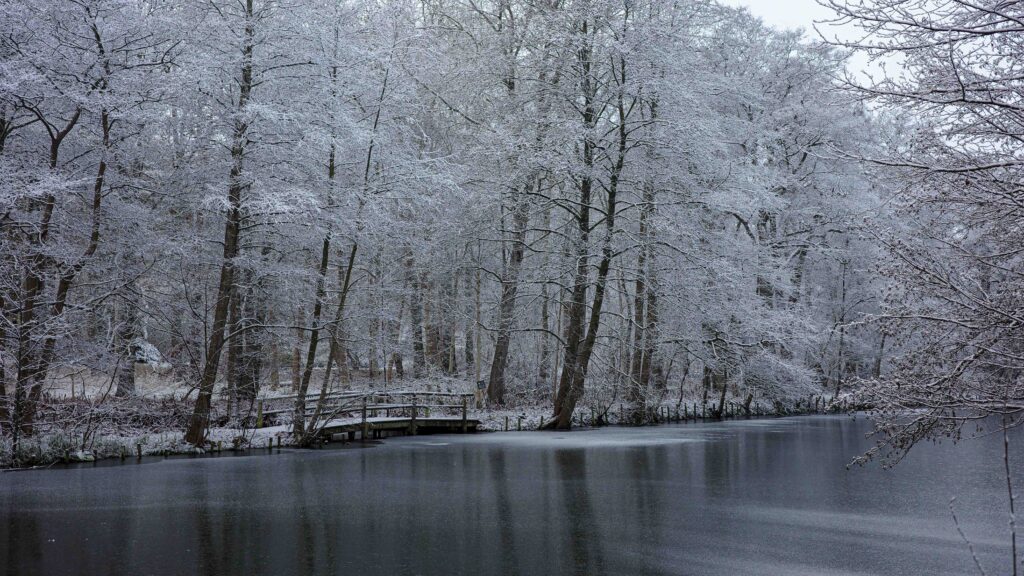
(585, 546)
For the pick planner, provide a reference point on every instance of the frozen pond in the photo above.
(768, 497)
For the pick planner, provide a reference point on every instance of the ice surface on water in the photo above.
(761, 497)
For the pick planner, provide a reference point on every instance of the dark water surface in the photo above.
(768, 497)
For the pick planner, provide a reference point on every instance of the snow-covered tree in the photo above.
(953, 306)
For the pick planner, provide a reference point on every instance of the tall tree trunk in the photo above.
(394, 364)
(235, 345)
(5, 408)
(544, 364)
(570, 384)
(580, 348)
(125, 337)
(477, 319)
(200, 420)
(431, 324)
(274, 354)
(253, 318)
(798, 275)
(452, 299)
(416, 318)
(469, 328)
(299, 415)
(639, 370)
(645, 315)
(33, 362)
(333, 329)
(656, 373)
(336, 353)
(339, 315)
(296, 355)
(575, 313)
(545, 344)
(841, 360)
(374, 349)
(877, 371)
(506, 307)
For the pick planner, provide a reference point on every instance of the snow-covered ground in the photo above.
(85, 421)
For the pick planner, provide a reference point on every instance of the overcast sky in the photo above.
(802, 14)
(785, 13)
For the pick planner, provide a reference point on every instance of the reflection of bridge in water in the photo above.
(342, 415)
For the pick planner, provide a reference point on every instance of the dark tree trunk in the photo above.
(125, 337)
(545, 345)
(274, 354)
(506, 307)
(644, 360)
(570, 384)
(335, 341)
(253, 318)
(200, 420)
(336, 354)
(643, 350)
(33, 361)
(877, 371)
(579, 349)
(470, 327)
(431, 327)
(394, 366)
(299, 416)
(235, 345)
(296, 355)
(416, 318)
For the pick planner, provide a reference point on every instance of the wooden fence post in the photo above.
(464, 425)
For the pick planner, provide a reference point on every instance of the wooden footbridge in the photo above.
(343, 415)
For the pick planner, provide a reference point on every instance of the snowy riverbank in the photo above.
(141, 427)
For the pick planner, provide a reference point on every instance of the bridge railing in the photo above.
(370, 404)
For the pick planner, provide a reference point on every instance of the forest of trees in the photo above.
(614, 200)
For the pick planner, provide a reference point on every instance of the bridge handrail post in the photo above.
(412, 423)
(463, 414)
(365, 429)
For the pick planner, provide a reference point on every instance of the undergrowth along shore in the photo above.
(140, 427)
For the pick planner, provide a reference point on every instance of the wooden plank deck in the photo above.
(347, 428)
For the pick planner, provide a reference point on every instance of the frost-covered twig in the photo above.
(970, 546)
